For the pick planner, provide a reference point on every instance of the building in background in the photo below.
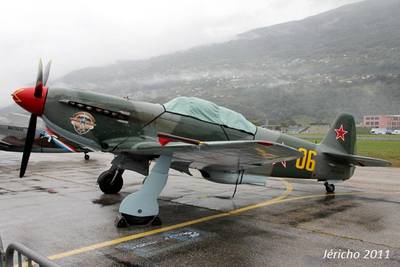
(382, 121)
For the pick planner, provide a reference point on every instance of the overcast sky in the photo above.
(83, 33)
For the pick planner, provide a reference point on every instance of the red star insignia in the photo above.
(340, 133)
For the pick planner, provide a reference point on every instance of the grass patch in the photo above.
(384, 149)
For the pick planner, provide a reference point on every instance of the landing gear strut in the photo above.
(110, 181)
(330, 188)
(141, 207)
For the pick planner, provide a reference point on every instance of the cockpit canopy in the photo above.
(210, 112)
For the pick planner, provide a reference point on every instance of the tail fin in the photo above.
(339, 144)
(342, 135)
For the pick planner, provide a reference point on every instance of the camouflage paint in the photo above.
(142, 121)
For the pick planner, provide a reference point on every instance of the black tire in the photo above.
(135, 220)
(120, 222)
(156, 221)
(330, 188)
(87, 157)
(105, 180)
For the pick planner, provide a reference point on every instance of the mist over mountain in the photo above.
(347, 59)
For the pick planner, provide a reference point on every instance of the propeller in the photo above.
(41, 81)
(30, 137)
(46, 73)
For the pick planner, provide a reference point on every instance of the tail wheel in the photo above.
(111, 182)
(330, 188)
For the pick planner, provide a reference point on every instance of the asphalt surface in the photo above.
(59, 211)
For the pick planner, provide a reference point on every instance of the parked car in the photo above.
(396, 131)
(378, 131)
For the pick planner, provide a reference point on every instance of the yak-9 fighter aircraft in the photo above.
(182, 134)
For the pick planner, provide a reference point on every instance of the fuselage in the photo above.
(107, 123)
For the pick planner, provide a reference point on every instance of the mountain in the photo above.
(347, 59)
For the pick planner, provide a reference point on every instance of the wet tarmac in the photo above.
(58, 210)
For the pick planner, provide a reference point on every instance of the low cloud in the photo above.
(78, 34)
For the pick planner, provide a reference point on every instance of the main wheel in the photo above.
(87, 157)
(111, 182)
(125, 220)
(330, 188)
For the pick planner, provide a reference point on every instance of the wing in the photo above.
(218, 155)
(358, 160)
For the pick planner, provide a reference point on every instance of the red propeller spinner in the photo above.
(33, 100)
(25, 97)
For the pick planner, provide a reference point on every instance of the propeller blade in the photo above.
(39, 81)
(46, 73)
(30, 137)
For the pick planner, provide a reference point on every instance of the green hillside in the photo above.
(347, 59)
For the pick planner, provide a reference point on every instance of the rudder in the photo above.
(342, 135)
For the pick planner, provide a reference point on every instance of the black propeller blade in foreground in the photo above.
(30, 137)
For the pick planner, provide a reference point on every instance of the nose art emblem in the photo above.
(83, 122)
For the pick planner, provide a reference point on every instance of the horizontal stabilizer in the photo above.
(358, 160)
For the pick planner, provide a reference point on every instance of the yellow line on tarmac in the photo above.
(289, 189)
